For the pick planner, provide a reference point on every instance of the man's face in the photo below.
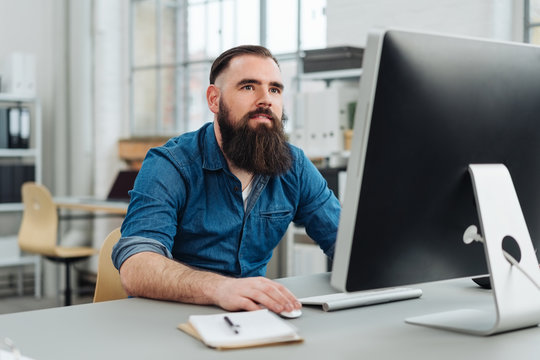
(251, 83)
(249, 116)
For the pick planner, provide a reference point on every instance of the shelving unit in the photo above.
(10, 256)
(299, 254)
(33, 153)
(329, 76)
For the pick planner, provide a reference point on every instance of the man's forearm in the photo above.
(154, 276)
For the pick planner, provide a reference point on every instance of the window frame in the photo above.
(182, 64)
(527, 24)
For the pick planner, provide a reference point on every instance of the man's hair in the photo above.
(223, 60)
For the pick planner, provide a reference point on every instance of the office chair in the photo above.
(108, 285)
(38, 233)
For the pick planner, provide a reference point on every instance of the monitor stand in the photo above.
(517, 298)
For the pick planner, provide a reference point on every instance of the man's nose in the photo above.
(264, 99)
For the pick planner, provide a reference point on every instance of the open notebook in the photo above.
(250, 329)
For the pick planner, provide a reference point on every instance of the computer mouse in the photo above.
(291, 314)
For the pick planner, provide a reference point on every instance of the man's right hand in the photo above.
(252, 294)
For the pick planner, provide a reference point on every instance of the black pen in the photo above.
(234, 327)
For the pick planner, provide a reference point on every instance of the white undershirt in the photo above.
(245, 193)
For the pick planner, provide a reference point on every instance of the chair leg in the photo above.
(37, 276)
(20, 281)
(67, 262)
(67, 296)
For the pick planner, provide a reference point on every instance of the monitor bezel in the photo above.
(355, 166)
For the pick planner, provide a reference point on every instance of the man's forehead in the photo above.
(263, 69)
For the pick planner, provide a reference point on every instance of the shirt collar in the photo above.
(213, 157)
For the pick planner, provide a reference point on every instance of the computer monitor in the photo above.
(123, 183)
(429, 106)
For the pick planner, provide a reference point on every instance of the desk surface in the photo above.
(92, 205)
(146, 329)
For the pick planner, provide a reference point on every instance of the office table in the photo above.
(117, 208)
(146, 329)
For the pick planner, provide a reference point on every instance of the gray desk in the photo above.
(146, 329)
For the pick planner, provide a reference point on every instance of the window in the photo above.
(173, 44)
(532, 21)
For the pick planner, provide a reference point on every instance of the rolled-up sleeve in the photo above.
(132, 245)
(151, 221)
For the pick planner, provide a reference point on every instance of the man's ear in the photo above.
(212, 98)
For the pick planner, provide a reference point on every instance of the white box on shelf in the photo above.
(19, 74)
(323, 117)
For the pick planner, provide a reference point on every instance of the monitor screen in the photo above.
(429, 106)
(122, 185)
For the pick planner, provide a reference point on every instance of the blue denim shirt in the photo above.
(187, 205)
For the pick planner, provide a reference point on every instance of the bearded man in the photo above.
(208, 208)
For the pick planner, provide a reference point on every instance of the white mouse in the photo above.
(291, 314)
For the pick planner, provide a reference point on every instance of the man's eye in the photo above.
(248, 87)
(275, 90)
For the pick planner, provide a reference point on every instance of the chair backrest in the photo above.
(108, 285)
(39, 226)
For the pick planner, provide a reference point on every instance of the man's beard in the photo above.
(261, 150)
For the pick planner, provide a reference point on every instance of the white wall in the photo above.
(111, 77)
(97, 98)
(38, 27)
(110, 107)
(350, 20)
(98, 84)
(81, 56)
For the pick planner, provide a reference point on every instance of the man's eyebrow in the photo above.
(248, 81)
(277, 84)
(257, 82)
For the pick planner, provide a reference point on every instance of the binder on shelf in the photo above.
(18, 180)
(14, 127)
(6, 183)
(18, 128)
(29, 173)
(24, 128)
(4, 139)
(24, 173)
(12, 176)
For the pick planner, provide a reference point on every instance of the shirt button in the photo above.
(236, 188)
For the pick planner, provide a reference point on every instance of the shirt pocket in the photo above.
(276, 215)
(273, 224)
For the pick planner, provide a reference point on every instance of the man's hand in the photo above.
(252, 293)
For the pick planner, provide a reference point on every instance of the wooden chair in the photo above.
(38, 233)
(108, 285)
